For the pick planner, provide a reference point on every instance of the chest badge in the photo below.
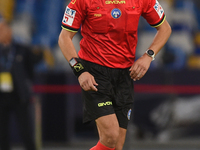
(116, 13)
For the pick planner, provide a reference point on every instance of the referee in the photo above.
(105, 65)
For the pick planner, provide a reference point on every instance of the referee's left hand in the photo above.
(140, 67)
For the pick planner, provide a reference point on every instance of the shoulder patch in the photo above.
(159, 9)
(69, 16)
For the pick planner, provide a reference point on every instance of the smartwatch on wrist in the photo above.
(151, 54)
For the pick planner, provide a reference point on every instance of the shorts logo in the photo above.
(116, 13)
(105, 104)
(69, 16)
(129, 114)
(158, 9)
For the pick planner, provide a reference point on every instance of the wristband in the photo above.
(77, 66)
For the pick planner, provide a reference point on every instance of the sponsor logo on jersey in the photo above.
(158, 9)
(116, 13)
(104, 104)
(129, 114)
(69, 16)
(97, 15)
(115, 2)
(73, 1)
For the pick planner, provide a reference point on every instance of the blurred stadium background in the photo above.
(166, 113)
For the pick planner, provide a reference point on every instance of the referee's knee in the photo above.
(110, 137)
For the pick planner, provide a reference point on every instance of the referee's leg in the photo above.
(111, 136)
(121, 139)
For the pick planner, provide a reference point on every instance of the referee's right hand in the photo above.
(87, 82)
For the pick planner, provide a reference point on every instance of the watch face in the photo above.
(150, 52)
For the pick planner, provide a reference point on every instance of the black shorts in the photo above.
(114, 95)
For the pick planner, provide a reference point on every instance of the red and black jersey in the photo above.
(109, 28)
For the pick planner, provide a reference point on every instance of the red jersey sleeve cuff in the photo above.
(159, 23)
(69, 28)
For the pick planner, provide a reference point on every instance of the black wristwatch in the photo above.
(151, 53)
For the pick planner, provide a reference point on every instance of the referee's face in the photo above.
(5, 34)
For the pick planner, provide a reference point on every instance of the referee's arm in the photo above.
(141, 66)
(86, 80)
(161, 37)
(66, 44)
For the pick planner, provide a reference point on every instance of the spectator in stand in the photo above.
(16, 73)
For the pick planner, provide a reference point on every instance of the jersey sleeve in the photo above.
(154, 13)
(74, 15)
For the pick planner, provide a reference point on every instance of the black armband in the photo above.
(77, 66)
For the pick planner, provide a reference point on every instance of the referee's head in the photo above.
(5, 32)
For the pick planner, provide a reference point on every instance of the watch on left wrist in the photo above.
(151, 54)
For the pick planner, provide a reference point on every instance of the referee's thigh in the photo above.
(108, 128)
